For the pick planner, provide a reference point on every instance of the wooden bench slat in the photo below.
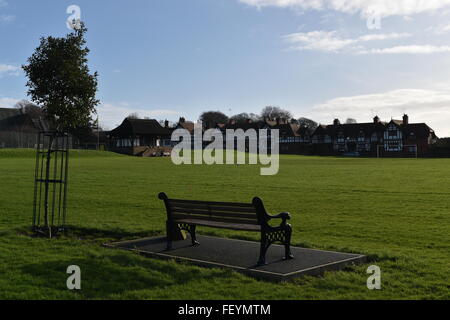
(237, 204)
(213, 207)
(216, 213)
(176, 216)
(223, 225)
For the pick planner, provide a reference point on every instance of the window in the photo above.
(362, 136)
(392, 133)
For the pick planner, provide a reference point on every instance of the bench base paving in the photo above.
(242, 255)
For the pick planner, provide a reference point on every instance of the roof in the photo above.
(131, 127)
(16, 120)
(304, 131)
(355, 129)
(8, 112)
(188, 125)
(420, 130)
(287, 129)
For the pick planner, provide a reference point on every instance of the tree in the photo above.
(243, 117)
(27, 107)
(272, 112)
(350, 121)
(133, 115)
(210, 118)
(60, 82)
(308, 123)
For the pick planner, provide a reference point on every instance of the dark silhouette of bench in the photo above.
(187, 214)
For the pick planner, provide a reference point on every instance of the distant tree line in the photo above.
(269, 113)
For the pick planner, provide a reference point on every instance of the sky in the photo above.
(321, 59)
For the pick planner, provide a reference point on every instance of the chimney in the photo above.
(182, 120)
(405, 120)
(336, 122)
(376, 119)
(166, 124)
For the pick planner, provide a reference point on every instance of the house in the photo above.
(19, 128)
(394, 138)
(137, 136)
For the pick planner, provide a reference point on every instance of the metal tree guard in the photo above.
(50, 183)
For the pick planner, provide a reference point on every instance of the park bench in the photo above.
(187, 214)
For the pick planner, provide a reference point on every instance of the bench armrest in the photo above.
(283, 215)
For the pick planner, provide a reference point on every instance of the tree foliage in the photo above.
(243, 117)
(350, 121)
(59, 80)
(211, 118)
(272, 112)
(308, 123)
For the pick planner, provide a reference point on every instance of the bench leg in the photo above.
(193, 236)
(169, 229)
(287, 245)
(263, 249)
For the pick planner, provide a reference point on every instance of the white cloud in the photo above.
(330, 40)
(410, 49)
(9, 70)
(7, 18)
(6, 102)
(111, 115)
(431, 106)
(364, 7)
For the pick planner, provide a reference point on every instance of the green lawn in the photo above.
(397, 211)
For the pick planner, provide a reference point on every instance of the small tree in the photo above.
(60, 82)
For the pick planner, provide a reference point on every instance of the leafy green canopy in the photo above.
(59, 80)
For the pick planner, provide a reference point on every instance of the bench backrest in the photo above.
(231, 212)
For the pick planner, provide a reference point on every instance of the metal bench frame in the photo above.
(229, 215)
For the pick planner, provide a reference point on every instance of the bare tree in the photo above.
(350, 121)
(272, 112)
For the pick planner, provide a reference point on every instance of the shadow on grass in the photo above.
(108, 234)
(117, 273)
(95, 234)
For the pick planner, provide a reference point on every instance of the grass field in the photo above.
(397, 211)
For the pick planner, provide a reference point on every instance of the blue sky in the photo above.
(317, 58)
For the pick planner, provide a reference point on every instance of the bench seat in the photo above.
(217, 224)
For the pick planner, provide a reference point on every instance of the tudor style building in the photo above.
(394, 138)
(397, 138)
